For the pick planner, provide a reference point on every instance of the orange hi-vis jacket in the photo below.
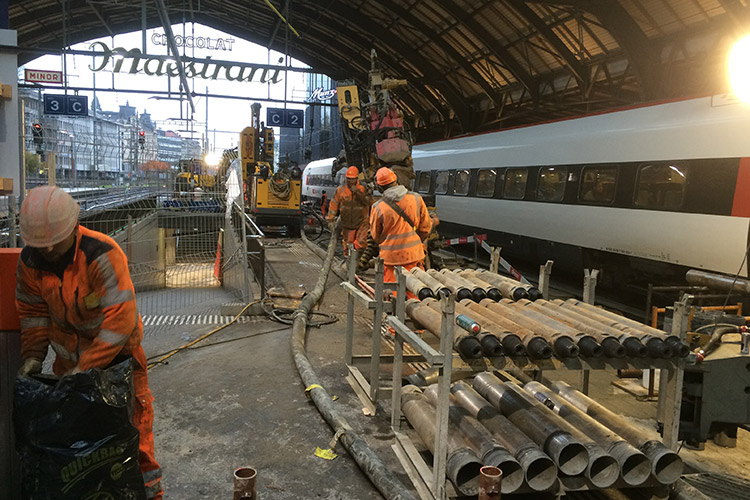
(353, 207)
(83, 305)
(400, 243)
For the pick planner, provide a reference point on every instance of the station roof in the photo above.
(471, 65)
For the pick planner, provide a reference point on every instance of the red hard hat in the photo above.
(385, 176)
(352, 172)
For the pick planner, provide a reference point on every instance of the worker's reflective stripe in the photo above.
(113, 294)
(391, 248)
(152, 491)
(417, 204)
(34, 322)
(151, 475)
(400, 236)
(63, 352)
(113, 338)
(28, 298)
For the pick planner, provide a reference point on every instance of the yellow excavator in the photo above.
(272, 195)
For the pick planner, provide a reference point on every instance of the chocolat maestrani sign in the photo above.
(134, 62)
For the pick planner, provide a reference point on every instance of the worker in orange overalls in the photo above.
(74, 294)
(399, 223)
(352, 203)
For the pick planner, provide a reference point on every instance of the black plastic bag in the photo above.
(76, 438)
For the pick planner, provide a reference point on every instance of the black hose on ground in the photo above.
(371, 465)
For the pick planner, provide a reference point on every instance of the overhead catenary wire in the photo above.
(383, 479)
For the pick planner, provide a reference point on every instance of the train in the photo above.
(641, 193)
(317, 180)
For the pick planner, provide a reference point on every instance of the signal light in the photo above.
(141, 137)
(36, 128)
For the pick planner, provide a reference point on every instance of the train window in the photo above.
(515, 183)
(660, 187)
(441, 182)
(424, 181)
(551, 185)
(461, 183)
(486, 183)
(598, 185)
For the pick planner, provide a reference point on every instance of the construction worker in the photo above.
(399, 223)
(74, 294)
(353, 205)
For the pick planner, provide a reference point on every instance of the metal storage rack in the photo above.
(431, 483)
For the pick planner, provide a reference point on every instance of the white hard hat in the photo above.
(48, 216)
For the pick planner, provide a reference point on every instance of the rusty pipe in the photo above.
(568, 453)
(430, 319)
(562, 343)
(588, 345)
(244, 484)
(536, 346)
(666, 465)
(417, 287)
(539, 470)
(463, 465)
(512, 343)
(532, 292)
(635, 468)
(631, 343)
(493, 292)
(490, 483)
(437, 287)
(455, 287)
(481, 441)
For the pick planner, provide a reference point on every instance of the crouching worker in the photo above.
(399, 223)
(74, 294)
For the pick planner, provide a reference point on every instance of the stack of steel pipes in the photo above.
(536, 434)
(537, 328)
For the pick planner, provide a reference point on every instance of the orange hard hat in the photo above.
(385, 176)
(352, 172)
(48, 216)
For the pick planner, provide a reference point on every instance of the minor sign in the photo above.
(279, 117)
(76, 105)
(43, 76)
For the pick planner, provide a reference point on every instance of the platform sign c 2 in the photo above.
(290, 118)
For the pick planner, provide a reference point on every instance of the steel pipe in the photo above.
(462, 466)
(588, 345)
(455, 287)
(481, 440)
(631, 343)
(562, 343)
(417, 287)
(568, 453)
(635, 468)
(511, 343)
(540, 472)
(244, 483)
(672, 346)
(532, 292)
(666, 465)
(492, 291)
(490, 483)
(719, 282)
(437, 287)
(510, 289)
(490, 342)
(477, 292)
(536, 346)
(430, 319)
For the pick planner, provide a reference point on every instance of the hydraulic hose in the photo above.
(371, 465)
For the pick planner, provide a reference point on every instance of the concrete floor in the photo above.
(235, 399)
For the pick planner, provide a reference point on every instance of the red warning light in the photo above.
(142, 133)
(37, 126)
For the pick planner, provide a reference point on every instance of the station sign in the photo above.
(43, 76)
(290, 118)
(74, 105)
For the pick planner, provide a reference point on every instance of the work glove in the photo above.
(31, 366)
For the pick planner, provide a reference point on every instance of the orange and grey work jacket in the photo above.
(82, 305)
(400, 243)
(353, 207)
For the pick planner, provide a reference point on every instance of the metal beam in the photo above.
(99, 15)
(579, 70)
(162, 10)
